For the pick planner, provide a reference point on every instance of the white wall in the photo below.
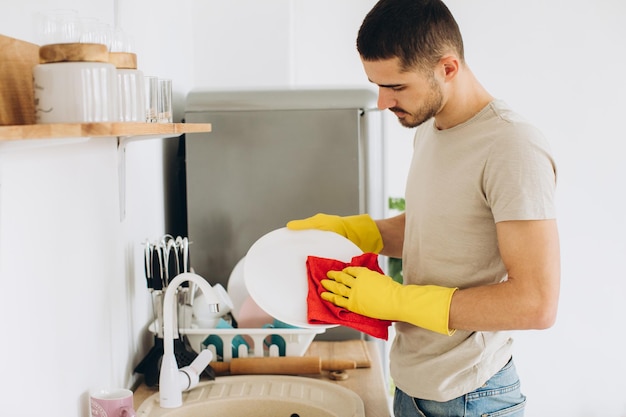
(73, 304)
(548, 60)
(557, 63)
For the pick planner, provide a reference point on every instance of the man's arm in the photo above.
(529, 298)
(392, 232)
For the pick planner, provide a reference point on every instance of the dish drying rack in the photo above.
(296, 340)
(167, 257)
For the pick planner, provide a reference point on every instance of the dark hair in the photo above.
(418, 32)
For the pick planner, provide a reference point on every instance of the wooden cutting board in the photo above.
(17, 59)
(352, 350)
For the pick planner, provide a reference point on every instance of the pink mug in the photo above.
(112, 403)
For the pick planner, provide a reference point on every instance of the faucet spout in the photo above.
(173, 381)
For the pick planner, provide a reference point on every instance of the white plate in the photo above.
(236, 288)
(275, 270)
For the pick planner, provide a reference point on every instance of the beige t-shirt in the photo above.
(463, 180)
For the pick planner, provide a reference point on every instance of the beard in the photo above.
(430, 108)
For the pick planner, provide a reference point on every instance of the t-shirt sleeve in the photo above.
(520, 177)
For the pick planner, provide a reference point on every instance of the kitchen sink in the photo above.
(261, 396)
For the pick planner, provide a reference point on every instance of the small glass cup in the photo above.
(164, 104)
(151, 95)
(130, 93)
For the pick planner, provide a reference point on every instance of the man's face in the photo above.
(414, 97)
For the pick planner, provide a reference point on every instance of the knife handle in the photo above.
(157, 268)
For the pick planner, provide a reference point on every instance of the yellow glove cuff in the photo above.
(376, 295)
(427, 306)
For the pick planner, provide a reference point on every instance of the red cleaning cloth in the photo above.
(320, 311)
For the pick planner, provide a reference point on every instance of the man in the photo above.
(478, 240)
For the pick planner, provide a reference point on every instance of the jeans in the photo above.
(499, 397)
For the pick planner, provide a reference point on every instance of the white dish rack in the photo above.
(297, 340)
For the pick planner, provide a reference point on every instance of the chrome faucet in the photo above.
(173, 381)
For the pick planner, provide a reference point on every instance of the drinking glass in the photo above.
(151, 94)
(164, 104)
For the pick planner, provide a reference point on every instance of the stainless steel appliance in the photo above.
(274, 156)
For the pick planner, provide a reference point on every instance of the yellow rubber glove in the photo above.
(360, 229)
(372, 294)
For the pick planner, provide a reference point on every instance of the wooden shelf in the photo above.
(17, 109)
(83, 130)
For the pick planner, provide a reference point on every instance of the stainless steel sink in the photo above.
(261, 396)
